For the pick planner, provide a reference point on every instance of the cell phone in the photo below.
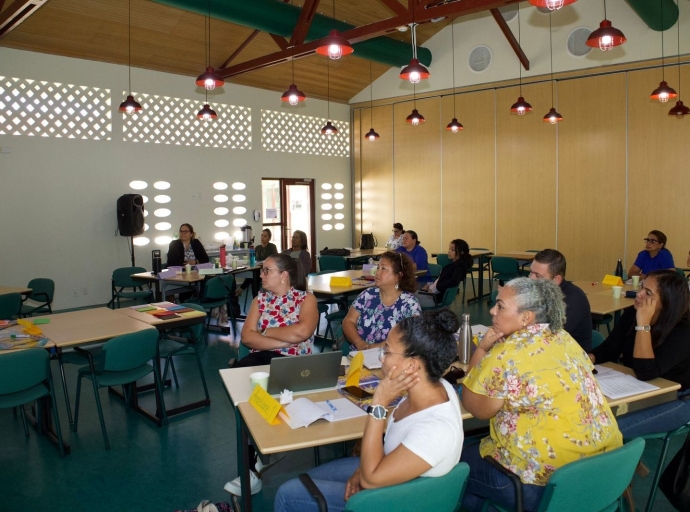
(357, 392)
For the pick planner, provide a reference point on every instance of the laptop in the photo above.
(304, 373)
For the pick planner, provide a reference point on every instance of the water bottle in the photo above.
(619, 269)
(252, 257)
(222, 256)
(465, 340)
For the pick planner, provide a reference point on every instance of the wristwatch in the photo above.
(645, 328)
(262, 331)
(379, 412)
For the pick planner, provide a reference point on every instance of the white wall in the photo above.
(643, 44)
(58, 196)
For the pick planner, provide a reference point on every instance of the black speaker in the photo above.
(130, 215)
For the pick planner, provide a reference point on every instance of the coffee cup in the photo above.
(188, 268)
(259, 379)
(617, 291)
(636, 281)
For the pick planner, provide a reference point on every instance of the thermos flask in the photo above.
(465, 340)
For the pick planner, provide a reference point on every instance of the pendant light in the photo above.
(414, 71)
(130, 105)
(209, 79)
(415, 118)
(606, 36)
(293, 95)
(335, 45)
(664, 91)
(454, 126)
(206, 112)
(552, 5)
(371, 134)
(328, 128)
(679, 110)
(552, 116)
(520, 107)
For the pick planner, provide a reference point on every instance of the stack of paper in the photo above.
(371, 358)
(303, 412)
(615, 384)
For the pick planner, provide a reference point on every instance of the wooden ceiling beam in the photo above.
(280, 41)
(395, 6)
(306, 16)
(16, 13)
(451, 9)
(510, 37)
(240, 48)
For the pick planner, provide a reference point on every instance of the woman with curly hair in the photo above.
(534, 383)
(376, 311)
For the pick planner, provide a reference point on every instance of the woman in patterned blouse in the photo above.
(283, 317)
(376, 311)
(534, 383)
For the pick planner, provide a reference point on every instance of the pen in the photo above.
(15, 336)
(331, 406)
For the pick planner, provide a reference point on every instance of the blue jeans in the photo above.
(485, 481)
(330, 478)
(658, 418)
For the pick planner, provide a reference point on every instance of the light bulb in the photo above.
(521, 111)
(415, 121)
(454, 129)
(293, 99)
(553, 120)
(415, 77)
(554, 5)
(129, 110)
(372, 138)
(605, 43)
(335, 51)
(663, 97)
(209, 84)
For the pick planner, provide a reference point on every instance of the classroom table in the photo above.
(359, 256)
(596, 287)
(164, 326)
(603, 303)
(518, 255)
(483, 257)
(321, 287)
(270, 439)
(23, 290)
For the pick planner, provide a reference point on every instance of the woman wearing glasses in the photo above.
(186, 250)
(423, 436)
(395, 239)
(283, 317)
(654, 257)
(378, 309)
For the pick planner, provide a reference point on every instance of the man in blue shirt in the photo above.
(654, 257)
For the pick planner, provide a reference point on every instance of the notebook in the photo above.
(304, 373)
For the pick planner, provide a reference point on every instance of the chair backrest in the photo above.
(342, 341)
(440, 494)
(42, 289)
(121, 277)
(592, 483)
(442, 259)
(597, 339)
(10, 304)
(23, 369)
(242, 351)
(332, 263)
(228, 281)
(503, 265)
(197, 329)
(130, 351)
(682, 273)
(215, 289)
(434, 270)
(449, 297)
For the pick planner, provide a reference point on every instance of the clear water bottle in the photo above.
(465, 340)
(252, 257)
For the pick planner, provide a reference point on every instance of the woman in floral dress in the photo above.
(283, 317)
(534, 383)
(376, 311)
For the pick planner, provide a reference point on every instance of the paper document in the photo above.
(615, 384)
(303, 412)
(371, 358)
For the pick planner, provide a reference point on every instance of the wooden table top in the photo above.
(603, 303)
(665, 386)
(590, 287)
(88, 326)
(518, 255)
(321, 284)
(184, 277)
(363, 253)
(4, 290)
(155, 321)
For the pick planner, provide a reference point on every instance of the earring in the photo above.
(396, 286)
(282, 282)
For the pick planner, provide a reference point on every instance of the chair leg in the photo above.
(23, 415)
(100, 414)
(76, 404)
(201, 370)
(61, 365)
(160, 403)
(174, 373)
(56, 419)
(657, 474)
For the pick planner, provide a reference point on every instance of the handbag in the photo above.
(675, 480)
(368, 241)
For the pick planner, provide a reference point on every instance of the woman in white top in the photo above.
(395, 239)
(423, 436)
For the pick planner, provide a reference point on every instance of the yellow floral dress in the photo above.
(553, 411)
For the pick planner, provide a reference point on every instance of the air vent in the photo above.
(577, 40)
(508, 11)
(480, 58)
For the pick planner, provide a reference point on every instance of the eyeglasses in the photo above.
(651, 241)
(383, 352)
(266, 270)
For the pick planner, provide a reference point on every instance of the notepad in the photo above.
(303, 412)
(615, 384)
(371, 358)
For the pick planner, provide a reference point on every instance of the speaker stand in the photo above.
(131, 250)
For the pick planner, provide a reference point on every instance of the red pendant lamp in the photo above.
(293, 95)
(454, 126)
(415, 118)
(520, 107)
(371, 134)
(414, 71)
(209, 79)
(206, 112)
(334, 45)
(130, 106)
(664, 92)
(552, 5)
(328, 128)
(679, 110)
(552, 116)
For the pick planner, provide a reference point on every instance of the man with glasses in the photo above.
(654, 257)
(550, 264)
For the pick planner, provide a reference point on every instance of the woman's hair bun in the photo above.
(444, 319)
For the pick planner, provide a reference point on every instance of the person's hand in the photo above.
(642, 276)
(393, 384)
(645, 312)
(490, 339)
(426, 286)
(352, 486)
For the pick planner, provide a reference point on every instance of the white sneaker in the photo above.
(235, 487)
